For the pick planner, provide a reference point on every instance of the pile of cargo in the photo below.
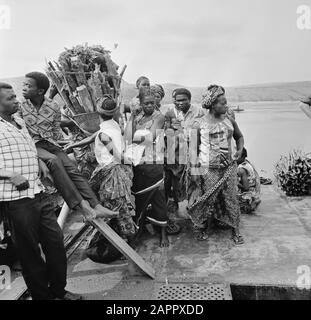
(293, 174)
(82, 75)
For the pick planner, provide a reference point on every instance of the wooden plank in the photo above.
(85, 98)
(77, 67)
(122, 246)
(75, 243)
(62, 217)
(18, 288)
(63, 93)
(76, 105)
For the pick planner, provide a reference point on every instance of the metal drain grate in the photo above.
(194, 292)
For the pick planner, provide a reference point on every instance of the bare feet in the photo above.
(102, 212)
(164, 242)
(237, 237)
(87, 211)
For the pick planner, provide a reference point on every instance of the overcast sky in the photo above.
(193, 42)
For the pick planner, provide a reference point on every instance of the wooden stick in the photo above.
(53, 75)
(122, 246)
(63, 215)
(86, 99)
(121, 76)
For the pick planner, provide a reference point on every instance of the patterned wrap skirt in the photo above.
(223, 202)
(112, 184)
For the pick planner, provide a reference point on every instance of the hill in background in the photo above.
(287, 91)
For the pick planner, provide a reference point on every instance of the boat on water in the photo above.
(237, 109)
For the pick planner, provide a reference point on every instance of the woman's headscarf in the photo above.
(158, 89)
(145, 92)
(210, 96)
(106, 105)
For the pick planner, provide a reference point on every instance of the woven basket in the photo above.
(87, 121)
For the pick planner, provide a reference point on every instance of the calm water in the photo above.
(273, 129)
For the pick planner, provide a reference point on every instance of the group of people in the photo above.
(136, 169)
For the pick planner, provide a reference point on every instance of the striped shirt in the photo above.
(18, 154)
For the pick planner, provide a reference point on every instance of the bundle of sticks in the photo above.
(82, 75)
(293, 174)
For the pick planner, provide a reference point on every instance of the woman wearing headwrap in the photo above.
(213, 175)
(230, 112)
(159, 94)
(112, 179)
(145, 129)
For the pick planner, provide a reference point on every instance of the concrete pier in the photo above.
(277, 241)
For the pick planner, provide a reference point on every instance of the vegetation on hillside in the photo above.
(289, 91)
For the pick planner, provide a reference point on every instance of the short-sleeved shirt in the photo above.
(18, 154)
(181, 137)
(42, 123)
(185, 118)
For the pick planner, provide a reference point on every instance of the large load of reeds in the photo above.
(82, 75)
(293, 174)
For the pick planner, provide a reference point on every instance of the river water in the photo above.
(272, 129)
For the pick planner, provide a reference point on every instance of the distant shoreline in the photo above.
(245, 103)
(265, 101)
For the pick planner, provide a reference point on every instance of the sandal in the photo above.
(172, 228)
(201, 235)
(237, 239)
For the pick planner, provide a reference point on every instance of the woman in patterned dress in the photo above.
(213, 171)
(159, 94)
(112, 178)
